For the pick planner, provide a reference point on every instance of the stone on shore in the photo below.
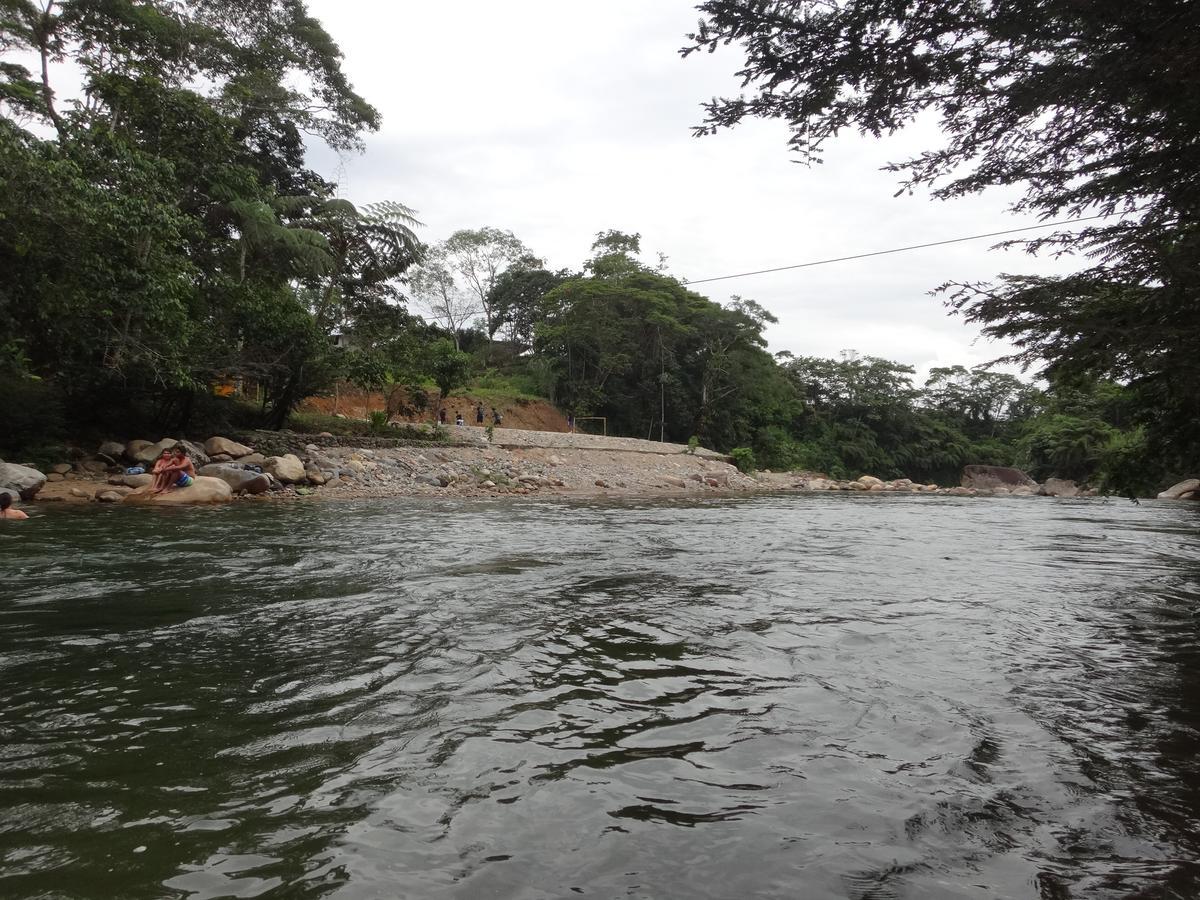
(1060, 487)
(1182, 490)
(254, 459)
(286, 468)
(203, 489)
(114, 450)
(999, 479)
(215, 446)
(240, 481)
(22, 481)
(148, 453)
(132, 448)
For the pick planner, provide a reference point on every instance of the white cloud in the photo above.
(558, 120)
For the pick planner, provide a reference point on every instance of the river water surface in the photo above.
(799, 697)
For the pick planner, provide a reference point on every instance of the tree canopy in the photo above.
(1092, 109)
(162, 231)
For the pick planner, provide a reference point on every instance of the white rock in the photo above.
(286, 468)
(1177, 491)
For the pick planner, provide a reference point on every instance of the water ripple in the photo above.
(827, 697)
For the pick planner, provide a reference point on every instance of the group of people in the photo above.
(172, 469)
(497, 418)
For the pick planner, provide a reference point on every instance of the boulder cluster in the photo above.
(301, 465)
(224, 468)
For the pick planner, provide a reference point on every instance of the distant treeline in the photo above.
(162, 235)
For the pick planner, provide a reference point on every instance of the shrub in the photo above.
(743, 458)
(379, 421)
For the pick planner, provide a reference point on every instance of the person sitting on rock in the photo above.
(162, 471)
(6, 510)
(184, 466)
(178, 471)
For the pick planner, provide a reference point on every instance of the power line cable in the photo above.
(958, 240)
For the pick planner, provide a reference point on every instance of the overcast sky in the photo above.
(558, 120)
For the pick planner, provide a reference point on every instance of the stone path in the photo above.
(513, 439)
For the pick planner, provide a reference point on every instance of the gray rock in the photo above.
(240, 481)
(286, 468)
(1060, 487)
(992, 478)
(112, 449)
(134, 447)
(23, 481)
(1180, 490)
(215, 446)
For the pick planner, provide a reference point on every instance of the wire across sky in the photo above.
(957, 240)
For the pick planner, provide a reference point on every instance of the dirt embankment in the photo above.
(520, 413)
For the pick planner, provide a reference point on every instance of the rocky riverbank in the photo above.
(469, 463)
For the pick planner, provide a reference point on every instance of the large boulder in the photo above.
(999, 479)
(240, 481)
(196, 454)
(1060, 487)
(203, 489)
(134, 447)
(114, 450)
(286, 468)
(217, 445)
(1179, 491)
(146, 454)
(21, 480)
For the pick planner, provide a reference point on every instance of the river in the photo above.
(799, 697)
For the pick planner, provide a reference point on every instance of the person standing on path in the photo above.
(496, 417)
(6, 510)
(571, 422)
(479, 414)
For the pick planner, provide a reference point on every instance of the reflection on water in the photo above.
(818, 697)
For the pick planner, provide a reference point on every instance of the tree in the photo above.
(449, 367)
(518, 300)
(480, 256)
(168, 233)
(1090, 108)
(635, 345)
(437, 290)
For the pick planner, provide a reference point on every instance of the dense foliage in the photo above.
(1092, 109)
(160, 233)
(161, 236)
(632, 344)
